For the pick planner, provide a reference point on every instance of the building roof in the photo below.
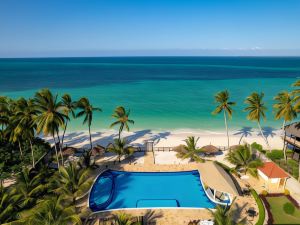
(217, 178)
(293, 129)
(271, 170)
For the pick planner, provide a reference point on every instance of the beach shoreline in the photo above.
(172, 138)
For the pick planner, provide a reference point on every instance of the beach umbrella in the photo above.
(209, 149)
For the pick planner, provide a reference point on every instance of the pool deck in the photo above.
(172, 216)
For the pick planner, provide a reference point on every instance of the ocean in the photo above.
(163, 93)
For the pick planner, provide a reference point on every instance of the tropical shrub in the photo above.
(244, 159)
(275, 155)
(289, 208)
(11, 159)
(257, 147)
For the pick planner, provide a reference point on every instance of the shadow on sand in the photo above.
(244, 132)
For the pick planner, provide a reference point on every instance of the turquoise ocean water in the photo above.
(163, 93)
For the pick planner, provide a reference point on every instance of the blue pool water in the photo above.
(118, 189)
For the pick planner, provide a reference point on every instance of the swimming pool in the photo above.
(119, 189)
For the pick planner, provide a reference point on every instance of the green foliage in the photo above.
(257, 147)
(72, 182)
(275, 155)
(289, 208)
(190, 150)
(243, 159)
(261, 208)
(122, 119)
(11, 160)
(121, 148)
(125, 219)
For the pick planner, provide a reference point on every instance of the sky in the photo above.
(154, 27)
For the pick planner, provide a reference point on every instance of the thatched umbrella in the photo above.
(67, 151)
(234, 147)
(209, 149)
(97, 150)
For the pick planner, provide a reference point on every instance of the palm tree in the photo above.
(73, 182)
(222, 99)
(4, 114)
(256, 110)
(296, 93)
(53, 211)
(27, 189)
(24, 124)
(50, 116)
(70, 107)
(87, 111)
(242, 157)
(122, 117)
(284, 107)
(125, 219)
(190, 150)
(120, 147)
(224, 216)
(7, 206)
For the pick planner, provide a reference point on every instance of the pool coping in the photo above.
(109, 210)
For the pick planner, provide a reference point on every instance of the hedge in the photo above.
(261, 208)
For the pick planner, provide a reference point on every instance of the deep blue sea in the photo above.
(161, 92)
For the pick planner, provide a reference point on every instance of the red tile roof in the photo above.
(271, 170)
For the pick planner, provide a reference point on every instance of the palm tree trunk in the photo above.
(120, 131)
(20, 148)
(63, 137)
(32, 155)
(263, 136)
(60, 149)
(90, 137)
(225, 119)
(283, 125)
(56, 150)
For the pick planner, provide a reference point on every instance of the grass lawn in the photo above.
(280, 217)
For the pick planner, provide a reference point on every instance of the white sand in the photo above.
(174, 138)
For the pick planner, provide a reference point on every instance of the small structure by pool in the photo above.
(124, 190)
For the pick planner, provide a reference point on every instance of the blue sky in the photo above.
(153, 27)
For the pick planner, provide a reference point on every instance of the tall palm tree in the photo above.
(224, 105)
(296, 93)
(242, 157)
(284, 107)
(122, 117)
(50, 116)
(23, 119)
(87, 111)
(256, 111)
(70, 107)
(53, 211)
(73, 182)
(190, 150)
(120, 147)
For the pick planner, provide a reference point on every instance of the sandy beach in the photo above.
(80, 139)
